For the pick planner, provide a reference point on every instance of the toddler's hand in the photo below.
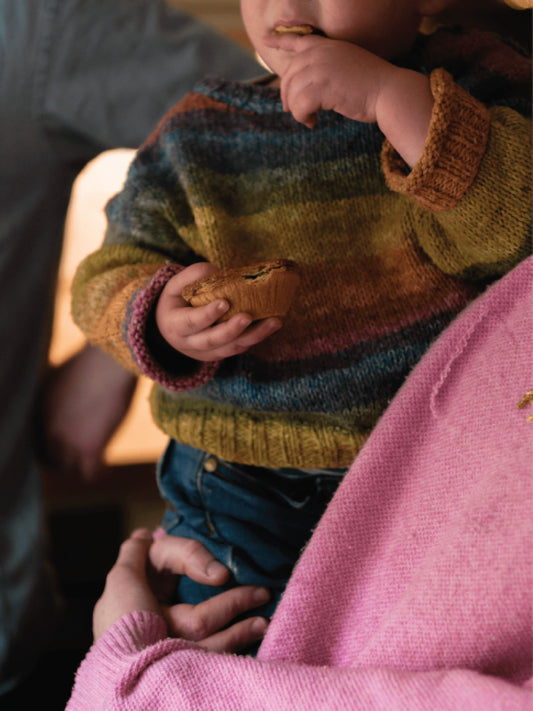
(333, 75)
(193, 331)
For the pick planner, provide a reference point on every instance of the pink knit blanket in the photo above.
(415, 590)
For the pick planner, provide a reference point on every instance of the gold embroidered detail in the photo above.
(528, 398)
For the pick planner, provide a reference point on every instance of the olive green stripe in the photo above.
(261, 439)
(245, 194)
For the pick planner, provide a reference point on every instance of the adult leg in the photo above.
(77, 77)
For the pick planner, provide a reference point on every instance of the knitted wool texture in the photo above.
(388, 256)
(414, 592)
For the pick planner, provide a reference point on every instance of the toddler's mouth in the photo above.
(301, 30)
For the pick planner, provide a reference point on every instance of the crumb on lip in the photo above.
(301, 30)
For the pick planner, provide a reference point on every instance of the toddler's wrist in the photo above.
(403, 112)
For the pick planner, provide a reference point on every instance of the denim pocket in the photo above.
(255, 520)
(271, 484)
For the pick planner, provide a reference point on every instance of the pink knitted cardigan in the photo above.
(415, 590)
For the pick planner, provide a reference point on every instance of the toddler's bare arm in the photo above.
(340, 76)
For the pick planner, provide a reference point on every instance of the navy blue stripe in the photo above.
(334, 391)
(333, 383)
(423, 332)
(231, 144)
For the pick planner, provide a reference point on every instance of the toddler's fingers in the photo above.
(192, 320)
(293, 42)
(233, 336)
(258, 332)
(170, 297)
(195, 271)
(301, 97)
(220, 334)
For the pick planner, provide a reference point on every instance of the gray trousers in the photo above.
(77, 77)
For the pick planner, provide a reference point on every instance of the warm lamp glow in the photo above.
(138, 439)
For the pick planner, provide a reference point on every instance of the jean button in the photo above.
(210, 464)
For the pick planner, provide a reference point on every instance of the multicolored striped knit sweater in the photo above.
(388, 256)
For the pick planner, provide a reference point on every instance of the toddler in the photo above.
(394, 168)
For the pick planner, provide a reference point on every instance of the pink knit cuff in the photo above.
(137, 320)
(138, 631)
(134, 632)
(455, 146)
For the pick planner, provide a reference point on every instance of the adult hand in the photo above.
(139, 582)
(83, 402)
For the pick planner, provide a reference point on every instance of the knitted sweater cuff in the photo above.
(455, 146)
(132, 633)
(137, 321)
(140, 634)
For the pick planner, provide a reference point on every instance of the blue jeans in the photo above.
(254, 520)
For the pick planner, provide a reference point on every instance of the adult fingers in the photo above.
(236, 638)
(185, 556)
(126, 589)
(197, 622)
(133, 553)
